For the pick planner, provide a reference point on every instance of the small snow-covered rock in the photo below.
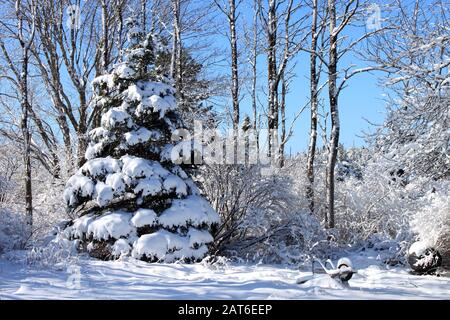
(418, 248)
(424, 259)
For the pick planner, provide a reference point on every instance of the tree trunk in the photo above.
(82, 131)
(234, 67)
(175, 39)
(272, 75)
(176, 63)
(25, 107)
(255, 75)
(105, 37)
(334, 140)
(144, 16)
(26, 141)
(283, 120)
(313, 129)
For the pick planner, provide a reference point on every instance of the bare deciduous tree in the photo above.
(24, 33)
(232, 16)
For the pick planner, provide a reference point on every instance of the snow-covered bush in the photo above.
(371, 206)
(414, 135)
(432, 221)
(46, 200)
(58, 252)
(47, 212)
(376, 204)
(47, 204)
(260, 213)
(5, 186)
(12, 230)
(133, 196)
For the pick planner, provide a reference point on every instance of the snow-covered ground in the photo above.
(131, 279)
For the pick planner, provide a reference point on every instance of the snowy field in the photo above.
(132, 279)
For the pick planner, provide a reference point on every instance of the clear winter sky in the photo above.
(361, 99)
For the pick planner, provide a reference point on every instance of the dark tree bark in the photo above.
(283, 119)
(105, 37)
(230, 12)
(176, 63)
(234, 65)
(144, 16)
(253, 63)
(313, 103)
(25, 44)
(272, 77)
(334, 111)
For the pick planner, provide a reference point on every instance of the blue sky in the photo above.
(361, 99)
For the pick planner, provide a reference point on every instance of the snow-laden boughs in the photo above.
(414, 136)
(130, 196)
(431, 223)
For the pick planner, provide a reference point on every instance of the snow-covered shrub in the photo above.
(5, 186)
(414, 135)
(12, 218)
(47, 198)
(432, 221)
(47, 204)
(59, 252)
(10, 173)
(373, 205)
(12, 230)
(294, 238)
(47, 212)
(134, 196)
(260, 213)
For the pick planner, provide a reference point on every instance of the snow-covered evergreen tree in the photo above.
(131, 197)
